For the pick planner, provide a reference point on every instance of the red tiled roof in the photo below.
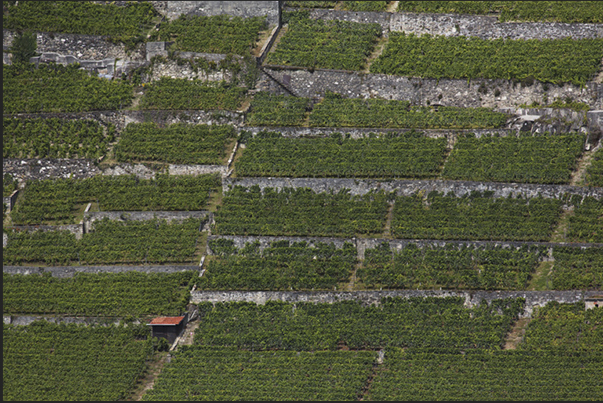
(167, 320)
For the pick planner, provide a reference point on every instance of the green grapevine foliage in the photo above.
(399, 155)
(102, 294)
(413, 322)
(577, 268)
(201, 373)
(111, 242)
(291, 212)
(46, 361)
(449, 267)
(178, 143)
(9, 185)
(216, 34)
(57, 200)
(282, 266)
(554, 11)
(364, 5)
(336, 111)
(594, 173)
(126, 24)
(333, 44)
(57, 88)
(475, 216)
(549, 60)
(276, 110)
(586, 225)
(523, 159)
(54, 138)
(311, 4)
(183, 94)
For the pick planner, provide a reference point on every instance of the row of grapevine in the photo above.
(125, 24)
(553, 11)
(178, 143)
(396, 322)
(487, 375)
(336, 111)
(594, 173)
(451, 266)
(267, 109)
(250, 211)
(523, 159)
(201, 373)
(216, 34)
(9, 184)
(58, 200)
(45, 361)
(104, 294)
(58, 88)
(578, 269)
(475, 216)
(405, 155)
(183, 94)
(282, 266)
(54, 138)
(586, 224)
(332, 44)
(111, 242)
(549, 60)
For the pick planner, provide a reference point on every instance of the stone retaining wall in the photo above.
(76, 229)
(410, 187)
(534, 299)
(25, 320)
(70, 271)
(91, 216)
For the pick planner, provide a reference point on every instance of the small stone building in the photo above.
(169, 327)
(596, 301)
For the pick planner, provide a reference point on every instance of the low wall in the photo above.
(25, 320)
(265, 241)
(10, 201)
(91, 216)
(534, 299)
(70, 271)
(410, 187)
(269, 9)
(488, 93)
(45, 168)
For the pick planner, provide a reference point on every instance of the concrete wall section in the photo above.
(534, 299)
(245, 9)
(410, 187)
(425, 91)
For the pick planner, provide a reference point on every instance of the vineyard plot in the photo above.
(555, 61)
(488, 375)
(103, 294)
(336, 111)
(475, 216)
(216, 34)
(57, 200)
(282, 266)
(449, 267)
(302, 212)
(230, 374)
(54, 138)
(111, 242)
(578, 269)
(126, 24)
(57, 88)
(333, 44)
(183, 94)
(594, 173)
(178, 143)
(400, 155)
(586, 224)
(276, 110)
(45, 361)
(396, 322)
(523, 159)
(550, 11)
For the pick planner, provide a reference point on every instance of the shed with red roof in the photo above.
(169, 327)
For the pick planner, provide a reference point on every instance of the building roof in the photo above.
(167, 320)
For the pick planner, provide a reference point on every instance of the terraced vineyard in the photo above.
(346, 216)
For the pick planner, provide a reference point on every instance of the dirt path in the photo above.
(387, 229)
(153, 371)
(376, 53)
(516, 334)
(392, 7)
(584, 162)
